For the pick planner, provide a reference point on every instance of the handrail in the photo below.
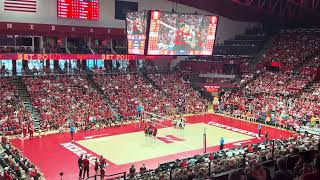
(124, 174)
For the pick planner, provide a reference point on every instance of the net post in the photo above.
(204, 141)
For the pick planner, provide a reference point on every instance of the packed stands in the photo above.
(313, 93)
(60, 99)
(126, 91)
(181, 92)
(14, 166)
(280, 98)
(291, 48)
(12, 111)
(279, 83)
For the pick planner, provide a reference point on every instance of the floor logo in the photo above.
(168, 139)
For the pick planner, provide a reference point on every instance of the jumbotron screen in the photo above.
(181, 34)
(136, 31)
(78, 9)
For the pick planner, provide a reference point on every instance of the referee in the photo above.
(139, 114)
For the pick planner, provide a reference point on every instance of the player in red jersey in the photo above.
(30, 130)
(179, 42)
(24, 130)
(154, 131)
(136, 29)
(44, 128)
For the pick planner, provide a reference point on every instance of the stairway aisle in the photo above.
(25, 98)
(106, 99)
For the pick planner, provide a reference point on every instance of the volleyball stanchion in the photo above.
(204, 141)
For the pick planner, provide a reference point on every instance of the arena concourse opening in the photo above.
(159, 90)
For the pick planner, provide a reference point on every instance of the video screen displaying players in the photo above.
(181, 34)
(136, 32)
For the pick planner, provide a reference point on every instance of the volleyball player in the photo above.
(24, 130)
(30, 130)
(154, 131)
(181, 122)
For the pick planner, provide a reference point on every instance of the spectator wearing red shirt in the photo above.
(7, 176)
(211, 157)
(86, 165)
(249, 149)
(183, 164)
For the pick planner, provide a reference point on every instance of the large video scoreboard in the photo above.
(78, 9)
(181, 34)
(168, 33)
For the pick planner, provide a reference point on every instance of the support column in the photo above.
(33, 44)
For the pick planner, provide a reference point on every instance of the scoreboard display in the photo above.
(136, 31)
(78, 9)
(181, 34)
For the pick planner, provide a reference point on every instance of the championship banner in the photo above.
(79, 57)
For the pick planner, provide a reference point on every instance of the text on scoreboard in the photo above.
(78, 9)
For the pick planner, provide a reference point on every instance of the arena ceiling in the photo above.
(299, 11)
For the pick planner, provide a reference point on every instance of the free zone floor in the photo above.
(127, 144)
(133, 147)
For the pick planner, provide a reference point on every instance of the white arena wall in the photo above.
(47, 14)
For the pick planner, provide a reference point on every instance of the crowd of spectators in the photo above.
(279, 83)
(180, 92)
(291, 48)
(313, 94)
(247, 158)
(13, 165)
(59, 99)
(126, 91)
(315, 62)
(12, 111)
